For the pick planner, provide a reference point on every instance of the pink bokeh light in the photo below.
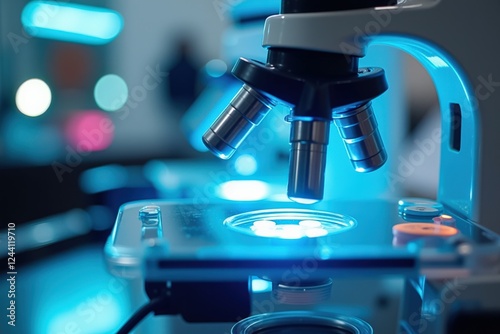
(89, 131)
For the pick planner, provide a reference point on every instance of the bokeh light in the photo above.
(289, 223)
(72, 300)
(33, 97)
(29, 140)
(111, 92)
(71, 22)
(244, 190)
(261, 285)
(90, 130)
(103, 178)
(245, 164)
(216, 68)
(43, 233)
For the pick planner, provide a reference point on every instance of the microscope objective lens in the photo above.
(245, 111)
(363, 143)
(309, 140)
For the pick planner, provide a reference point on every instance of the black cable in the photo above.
(140, 314)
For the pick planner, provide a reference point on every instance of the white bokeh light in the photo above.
(245, 164)
(33, 97)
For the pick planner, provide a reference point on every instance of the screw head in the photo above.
(149, 215)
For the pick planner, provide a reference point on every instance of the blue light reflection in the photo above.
(73, 293)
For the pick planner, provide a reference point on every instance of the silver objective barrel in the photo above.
(359, 131)
(309, 142)
(245, 111)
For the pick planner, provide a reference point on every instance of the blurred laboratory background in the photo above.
(105, 102)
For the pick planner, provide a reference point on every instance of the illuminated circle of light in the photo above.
(264, 224)
(33, 97)
(288, 223)
(89, 130)
(111, 92)
(216, 68)
(245, 164)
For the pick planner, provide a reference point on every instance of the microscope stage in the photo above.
(224, 241)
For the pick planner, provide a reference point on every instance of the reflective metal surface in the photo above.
(307, 293)
(309, 141)
(245, 111)
(195, 237)
(359, 131)
(301, 322)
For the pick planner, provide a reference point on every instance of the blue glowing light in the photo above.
(18, 145)
(71, 22)
(71, 300)
(43, 233)
(84, 319)
(111, 92)
(216, 68)
(289, 223)
(254, 8)
(457, 186)
(437, 61)
(304, 200)
(244, 190)
(260, 285)
(103, 178)
(245, 165)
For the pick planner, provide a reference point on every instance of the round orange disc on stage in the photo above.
(423, 230)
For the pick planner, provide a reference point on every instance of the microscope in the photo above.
(199, 258)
